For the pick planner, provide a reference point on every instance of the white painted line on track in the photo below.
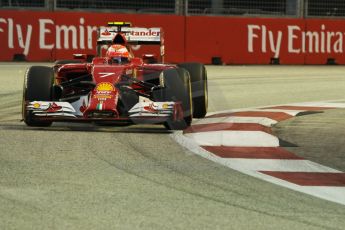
(321, 104)
(235, 138)
(335, 194)
(290, 112)
(237, 119)
(276, 165)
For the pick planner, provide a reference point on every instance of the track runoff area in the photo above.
(281, 125)
(243, 139)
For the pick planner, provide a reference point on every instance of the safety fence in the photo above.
(245, 8)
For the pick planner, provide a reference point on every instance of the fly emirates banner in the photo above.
(47, 36)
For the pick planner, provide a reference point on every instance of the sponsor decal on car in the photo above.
(105, 74)
(53, 107)
(36, 105)
(83, 106)
(99, 105)
(104, 90)
(48, 108)
(155, 107)
(149, 108)
(102, 97)
(129, 71)
(152, 108)
(105, 86)
(106, 33)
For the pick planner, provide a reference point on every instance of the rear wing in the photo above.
(133, 36)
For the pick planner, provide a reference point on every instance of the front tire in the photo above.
(38, 82)
(177, 87)
(198, 76)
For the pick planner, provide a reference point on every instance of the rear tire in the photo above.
(177, 87)
(38, 82)
(198, 76)
(72, 61)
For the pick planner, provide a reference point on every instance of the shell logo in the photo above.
(105, 86)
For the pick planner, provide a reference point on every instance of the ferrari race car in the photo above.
(116, 87)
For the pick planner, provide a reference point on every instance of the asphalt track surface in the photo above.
(318, 137)
(80, 176)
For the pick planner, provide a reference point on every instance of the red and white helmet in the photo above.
(118, 53)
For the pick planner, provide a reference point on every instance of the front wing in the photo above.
(153, 112)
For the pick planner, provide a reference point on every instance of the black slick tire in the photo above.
(71, 61)
(198, 76)
(177, 87)
(38, 81)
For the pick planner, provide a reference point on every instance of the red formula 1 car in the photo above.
(117, 87)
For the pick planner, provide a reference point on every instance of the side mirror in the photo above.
(150, 58)
(83, 57)
(80, 56)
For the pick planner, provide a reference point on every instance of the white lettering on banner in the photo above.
(2, 20)
(72, 31)
(22, 42)
(81, 33)
(313, 41)
(10, 33)
(292, 37)
(263, 40)
(66, 31)
(338, 44)
(90, 31)
(298, 40)
(72, 36)
(330, 35)
(26, 44)
(322, 38)
(274, 46)
(42, 33)
(251, 37)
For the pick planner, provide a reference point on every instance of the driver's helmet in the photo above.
(118, 54)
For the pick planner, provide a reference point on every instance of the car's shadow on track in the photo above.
(79, 127)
